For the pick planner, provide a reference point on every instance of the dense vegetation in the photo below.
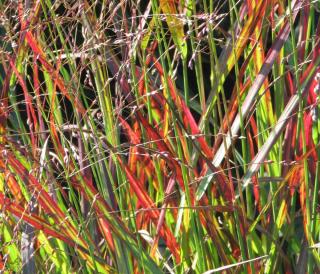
(159, 136)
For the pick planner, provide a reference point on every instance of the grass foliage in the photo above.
(159, 136)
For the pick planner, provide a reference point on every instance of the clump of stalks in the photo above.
(159, 136)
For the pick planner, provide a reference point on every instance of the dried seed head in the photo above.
(314, 114)
(66, 159)
(99, 116)
(74, 134)
(4, 153)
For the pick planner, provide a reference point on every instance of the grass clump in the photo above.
(159, 136)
